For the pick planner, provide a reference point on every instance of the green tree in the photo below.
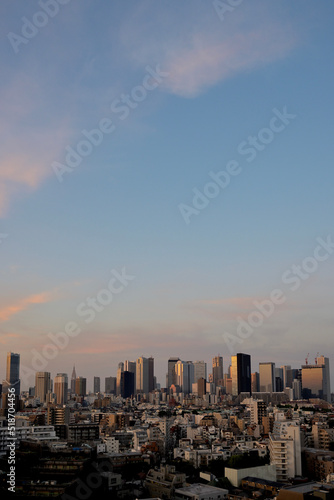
(216, 467)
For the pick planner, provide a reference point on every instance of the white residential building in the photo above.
(139, 438)
(111, 445)
(285, 450)
(44, 433)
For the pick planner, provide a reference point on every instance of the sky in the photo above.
(166, 183)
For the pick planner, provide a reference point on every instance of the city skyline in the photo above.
(166, 183)
(313, 377)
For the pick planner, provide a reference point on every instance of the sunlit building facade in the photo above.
(315, 383)
(267, 377)
(241, 373)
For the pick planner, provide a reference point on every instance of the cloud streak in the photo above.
(10, 310)
(8, 338)
(31, 137)
(198, 50)
(195, 47)
(208, 62)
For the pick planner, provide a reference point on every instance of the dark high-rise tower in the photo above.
(12, 373)
(127, 384)
(130, 366)
(110, 385)
(241, 373)
(171, 374)
(151, 374)
(97, 385)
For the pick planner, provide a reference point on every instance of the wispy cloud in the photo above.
(195, 48)
(7, 338)
(198, 50)
(207, 62)
(30, 137)
(10, 310)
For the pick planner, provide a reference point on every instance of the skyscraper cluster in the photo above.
(309, 381)
(186, 377)
(133, 377)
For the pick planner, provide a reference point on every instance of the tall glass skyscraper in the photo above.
(42, 385)
(171, 374)
(217, 369)
(73, 380)
(61, 388)
(142, 372)
(267, 377)
(97, 385)
(81, 386)
(151, 374)
(322, 361)
(316, 380)
(12, 373)
(241, 373)
(199, 370)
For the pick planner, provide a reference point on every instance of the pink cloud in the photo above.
(24, 172)
(21, 169)
(10, 310)
(27, 151)
(7, 338)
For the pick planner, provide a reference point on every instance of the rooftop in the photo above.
(199, 488)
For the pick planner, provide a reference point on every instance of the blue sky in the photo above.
(222, 77)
